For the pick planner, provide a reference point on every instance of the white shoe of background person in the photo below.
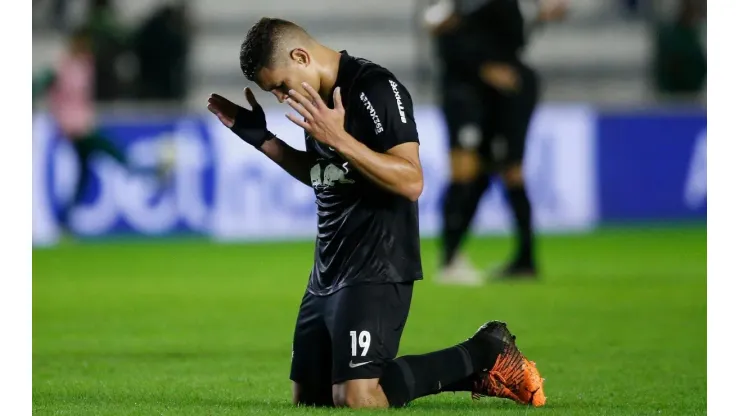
(167, 160)
(460, 272)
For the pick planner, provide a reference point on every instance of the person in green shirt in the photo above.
(680, 62)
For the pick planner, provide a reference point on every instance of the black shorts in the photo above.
(350, 334)
(493, 124)
(461, 106)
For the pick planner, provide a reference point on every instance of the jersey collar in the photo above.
(344, 75)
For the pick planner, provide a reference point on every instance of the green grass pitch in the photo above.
(617, 325)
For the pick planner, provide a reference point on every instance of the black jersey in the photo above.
(365, 234)
(489, 30)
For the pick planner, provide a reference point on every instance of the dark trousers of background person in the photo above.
(487, 136)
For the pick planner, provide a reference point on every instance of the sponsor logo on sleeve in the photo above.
(399, 102)
(373, 114)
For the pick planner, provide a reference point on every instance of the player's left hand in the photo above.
(321, 122)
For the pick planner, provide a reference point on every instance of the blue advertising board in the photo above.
(582, 168)
(652, 166)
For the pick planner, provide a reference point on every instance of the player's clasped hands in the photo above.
(321, 122)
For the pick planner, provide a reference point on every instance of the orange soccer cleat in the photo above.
(512, 377)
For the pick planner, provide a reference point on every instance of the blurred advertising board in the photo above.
(578, 168)
(652, 166)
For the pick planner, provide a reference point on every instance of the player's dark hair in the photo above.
(258, 47)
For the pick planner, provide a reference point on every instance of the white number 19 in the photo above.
(364, 342)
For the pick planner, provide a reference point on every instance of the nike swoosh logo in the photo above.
(355, 365)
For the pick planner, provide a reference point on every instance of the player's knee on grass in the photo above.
(513, 175)
(358, 394)
(464, 165)
(296, 394)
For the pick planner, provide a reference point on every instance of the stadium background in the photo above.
(184, 303)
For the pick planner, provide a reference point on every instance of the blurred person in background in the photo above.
(70, 91)
(488, 98)
(108, 43)
(680, 62)
(162, 44)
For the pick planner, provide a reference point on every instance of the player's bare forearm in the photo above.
(399, 173)
(296, 162)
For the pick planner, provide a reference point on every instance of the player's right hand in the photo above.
(249, 125)
(503, 77)
(552, 10)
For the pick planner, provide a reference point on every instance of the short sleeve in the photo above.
(384, 112)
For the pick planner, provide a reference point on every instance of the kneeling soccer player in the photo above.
(362, 160)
